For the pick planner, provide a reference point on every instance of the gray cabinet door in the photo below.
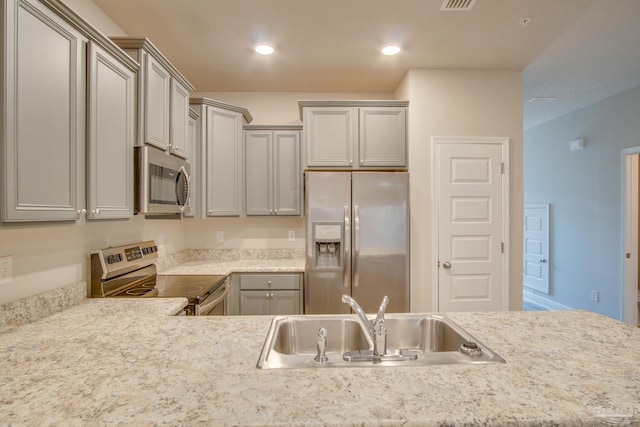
(110, 136)
(330, 135)
(192, 147)
(273, 172)
(224, 162)
(382, 139)
(285, 302)
(157, 86)
(255, 303)
(269, 302)
(44, 104)
(287, 174)
(179, 119)
(259, 172)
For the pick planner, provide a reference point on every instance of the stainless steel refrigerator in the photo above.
(357, 240)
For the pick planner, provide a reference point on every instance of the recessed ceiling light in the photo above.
(264, 49)
(390, 49)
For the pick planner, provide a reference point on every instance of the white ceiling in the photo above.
(578, 51)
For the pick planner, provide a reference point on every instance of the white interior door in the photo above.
(536, 247)
(472, 218)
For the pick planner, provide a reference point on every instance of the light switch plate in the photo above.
(220, 236)
(6, 270)
(292, 235)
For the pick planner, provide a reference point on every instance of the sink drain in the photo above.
(470, 349)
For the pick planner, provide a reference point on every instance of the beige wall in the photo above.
(246, 233)
(460, 103)
(280, 108)
(49, 256)
(91, 13)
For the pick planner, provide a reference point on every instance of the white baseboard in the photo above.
(543, 302)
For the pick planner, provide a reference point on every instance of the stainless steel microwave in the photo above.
(162, 182)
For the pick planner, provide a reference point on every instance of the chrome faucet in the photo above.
(375, 331)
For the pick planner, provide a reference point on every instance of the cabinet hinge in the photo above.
(502, 168)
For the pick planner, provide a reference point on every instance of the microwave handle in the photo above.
(183, 171)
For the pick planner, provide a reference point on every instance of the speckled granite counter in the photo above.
(563, 368)
(226, 267)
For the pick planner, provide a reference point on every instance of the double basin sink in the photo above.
(412, 340)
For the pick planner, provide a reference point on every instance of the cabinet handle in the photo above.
(272, 295)
(96, 212)
(81, 212)
(267, 295)
(269, 283)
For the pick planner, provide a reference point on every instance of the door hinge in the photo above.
(628, 255)
(502, 247)
(502, 168)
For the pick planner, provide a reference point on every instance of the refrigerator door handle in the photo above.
(346, 253)
(356, 245)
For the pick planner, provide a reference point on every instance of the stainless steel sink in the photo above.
(412, 340)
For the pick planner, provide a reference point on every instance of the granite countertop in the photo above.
(226, 267)
(137, 307)
(563, 368)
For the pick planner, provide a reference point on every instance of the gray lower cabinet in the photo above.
(273, 171)
(219, 158)
(111, 134)
(271, 294)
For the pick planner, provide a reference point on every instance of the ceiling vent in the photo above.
(457, 5)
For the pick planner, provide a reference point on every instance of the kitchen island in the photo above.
(563, 368)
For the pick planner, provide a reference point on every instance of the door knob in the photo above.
(543, 260)
(446, 265)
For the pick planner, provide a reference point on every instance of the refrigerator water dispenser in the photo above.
(327, 244)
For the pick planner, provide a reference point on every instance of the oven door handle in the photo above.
(207, 306)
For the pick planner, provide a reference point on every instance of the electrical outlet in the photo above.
(292, 235)
(220, 236)
(6, 270)
(595, 296)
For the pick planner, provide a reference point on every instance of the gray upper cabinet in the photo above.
(354, 134)
(110, 136)
(273, 170)
(156, 94)
(163, 98)
(330, 135)
(220, 169)
(44, 104)
(179, 128)
(65, 105)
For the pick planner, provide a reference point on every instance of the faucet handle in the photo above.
(322, 346)
(381, 309)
